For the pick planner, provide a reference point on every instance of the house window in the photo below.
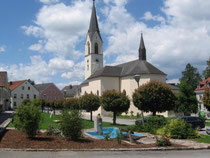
(34, 96)
(15, 96)
(23, 87)
(27, 96)
(21, 96)
(96, 48)
(29, 88)
(15, 104)
(88, 48)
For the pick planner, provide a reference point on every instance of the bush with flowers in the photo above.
(163, 141)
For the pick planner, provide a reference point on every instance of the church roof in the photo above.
(93, 22)
(127, 69)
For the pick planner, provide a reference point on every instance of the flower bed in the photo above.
(18, 140)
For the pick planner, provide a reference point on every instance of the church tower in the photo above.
(93, 46)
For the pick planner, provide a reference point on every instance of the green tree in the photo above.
(154, 97)
(206, 72)
(191, 76)
(90, 103)
(27, 119)
(187, 101)
(206, 98)
(71, 125)
(72, 103)
(114, 101)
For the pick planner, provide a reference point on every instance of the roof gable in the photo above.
(14, 84)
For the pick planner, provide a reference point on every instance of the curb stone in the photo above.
(92, 150)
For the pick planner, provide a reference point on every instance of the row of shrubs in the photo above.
(177, 129)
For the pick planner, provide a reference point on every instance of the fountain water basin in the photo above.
(113, 132)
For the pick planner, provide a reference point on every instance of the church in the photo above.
(99, 78)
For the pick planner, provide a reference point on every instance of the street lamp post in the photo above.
(137, 79)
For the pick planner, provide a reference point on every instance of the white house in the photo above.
(120, 77)
(21, 90)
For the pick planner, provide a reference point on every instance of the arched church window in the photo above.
(87, 67)
(88, 48)
(97, 93)
(96, 48)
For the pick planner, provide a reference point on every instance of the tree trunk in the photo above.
(154, 113)
(114, 118)
(91, 116)
(54, 110)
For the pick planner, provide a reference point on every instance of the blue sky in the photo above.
(44, 39)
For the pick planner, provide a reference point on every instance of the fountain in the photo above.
(101, 133)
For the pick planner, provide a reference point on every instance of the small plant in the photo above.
(151, 125)
(119, 137)
(71, 125)
(178, 129)
(106, 136)
(27, 119)
(163, 141)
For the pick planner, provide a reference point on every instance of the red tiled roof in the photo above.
(203, 85)
(15, 84)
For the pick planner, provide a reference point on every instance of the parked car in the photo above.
(146, 118)
(195, 121)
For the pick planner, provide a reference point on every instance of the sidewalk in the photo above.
(110, 119)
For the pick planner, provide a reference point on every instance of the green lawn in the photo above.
(46, 121)
(203, 139)
(207, 123)
(128, 117)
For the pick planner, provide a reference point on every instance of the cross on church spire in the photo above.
(142, 49)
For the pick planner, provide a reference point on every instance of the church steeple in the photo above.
(93, 46)
(142, 49)
(93, 22)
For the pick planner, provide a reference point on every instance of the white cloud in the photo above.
(37, 70)
(2, 49)
(61, 64)
(49, 1)
(61, 27)
(149, 16)
(36, 47)
(76, 73)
